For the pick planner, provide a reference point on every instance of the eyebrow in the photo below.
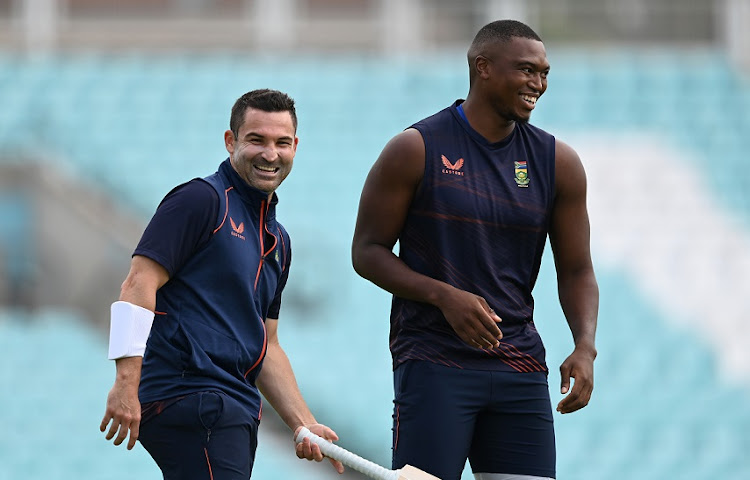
(256, 134)
(527, 63)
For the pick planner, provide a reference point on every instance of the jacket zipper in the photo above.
(263, 228)
(262, 350)
(262, 234)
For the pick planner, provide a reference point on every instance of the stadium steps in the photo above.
(53, 392)
(139, 125)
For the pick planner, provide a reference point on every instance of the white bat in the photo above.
(361, 465)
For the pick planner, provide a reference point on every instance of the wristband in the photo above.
(129, 328)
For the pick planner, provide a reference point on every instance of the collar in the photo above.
(249, 194)
(457, 110)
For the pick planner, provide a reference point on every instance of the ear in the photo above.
(296, 142)
(229, 141)
(482, 66)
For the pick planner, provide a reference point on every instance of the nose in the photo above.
(537, 82)
(269, 153)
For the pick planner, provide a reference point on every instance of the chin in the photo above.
(267, 189)
(518, 116)
(523, 118)
(262, 186)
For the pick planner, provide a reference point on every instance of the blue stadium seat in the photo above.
(138, 125)
(54, 405)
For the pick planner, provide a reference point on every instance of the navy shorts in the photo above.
(501, 421)
(201, 437)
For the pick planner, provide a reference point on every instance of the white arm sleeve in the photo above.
(129, 328)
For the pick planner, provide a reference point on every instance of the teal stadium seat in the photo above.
(52, 405)
(137, 125)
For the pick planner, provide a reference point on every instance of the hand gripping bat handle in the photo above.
(348, 458)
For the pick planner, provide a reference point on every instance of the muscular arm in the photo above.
(123, 407)
(577, 287)
(384, 204)
(277, 383)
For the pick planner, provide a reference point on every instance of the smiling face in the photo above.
(263, 151)
(514, 74)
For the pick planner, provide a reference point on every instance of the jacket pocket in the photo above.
(209, 349)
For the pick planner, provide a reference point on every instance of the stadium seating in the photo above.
(52, 397)
(17, 260)
(137, 125)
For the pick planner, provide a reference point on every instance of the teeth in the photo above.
(265, 169)
(529, 99)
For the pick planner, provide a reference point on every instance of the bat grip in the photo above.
(348, 458)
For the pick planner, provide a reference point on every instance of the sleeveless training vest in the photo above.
(479, 222)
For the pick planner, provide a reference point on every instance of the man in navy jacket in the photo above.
(194, 333)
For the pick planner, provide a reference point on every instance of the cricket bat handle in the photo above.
(348, 458)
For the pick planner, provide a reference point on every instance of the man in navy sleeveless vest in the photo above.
(471, 194)
(194, 333)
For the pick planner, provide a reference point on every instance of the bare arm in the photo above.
(577, 287)
(277, 383)
(384, 205)
(123, 407)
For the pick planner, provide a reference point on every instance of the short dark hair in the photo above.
(263, 99)
(499, 31)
